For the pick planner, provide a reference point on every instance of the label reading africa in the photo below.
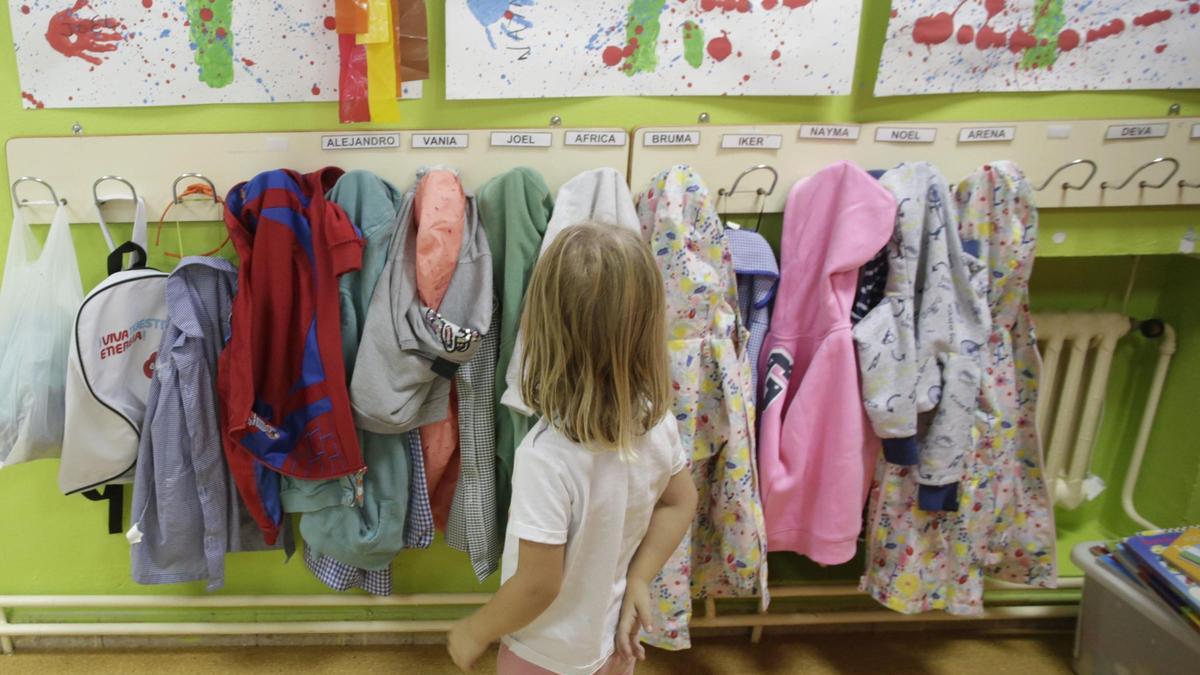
(595, 137)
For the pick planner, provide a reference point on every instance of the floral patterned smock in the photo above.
(724, 554)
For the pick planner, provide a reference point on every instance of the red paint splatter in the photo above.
(508, 15)
(147, 3)
(74, 36)
(770, 4)
(1114, 27)
(29, 97)
(708, 5)
(720, 48)
(966, 35)
(638, 30)
(206, 14)
(248, 62)
(795, 4)
(1068, 40)
(933, 30)
(1194, 8)
(330, 23)
(316, 91)
(987, 38)
(612, 55)
(1160, 49)
(745, 78)
(1021, 40)
(221, 33)
(994, 7)
(775, 55)
(24, 9)
(1151, 18)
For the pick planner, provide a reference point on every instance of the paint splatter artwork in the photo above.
(948, 46)
(102, 53)
(548, 48)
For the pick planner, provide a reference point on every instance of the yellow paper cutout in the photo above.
(381, 72)
(379, 23)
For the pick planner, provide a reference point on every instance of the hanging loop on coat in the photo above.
(1066, 185)
(1143, 184)
(761, 193)
(206, 191)
(193, 189)
(55, 201)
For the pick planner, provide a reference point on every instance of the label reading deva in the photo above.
(1128, 132)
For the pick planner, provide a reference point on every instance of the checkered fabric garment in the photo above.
(473, 526)
(342, 577)
(419, 530)
(872, 282)
(757, 277)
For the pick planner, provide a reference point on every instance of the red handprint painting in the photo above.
(74, 35)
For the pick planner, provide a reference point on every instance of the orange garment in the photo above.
(440, 206)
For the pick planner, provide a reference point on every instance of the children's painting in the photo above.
(949, 46)
(549, 48)
(102, 53)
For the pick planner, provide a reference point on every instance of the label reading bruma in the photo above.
(522, 139)
(360, 141)
(987, 135)
(423, 141)
(751, 141)
(905, 135)
(595, 137)
(832, 132)
(660, 138)
(1123, 132)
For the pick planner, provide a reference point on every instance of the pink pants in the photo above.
(509, 663)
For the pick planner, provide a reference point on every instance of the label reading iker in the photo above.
(522, 139)
(829, 132)
(597, 137)
(660, 138)
(360, 141)
(987, 135)
(440, 140)
(905, 135)
(752, 141)
(1122, 132)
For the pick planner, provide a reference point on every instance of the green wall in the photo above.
(54, 544)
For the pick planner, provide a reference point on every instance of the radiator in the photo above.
(1077, 351)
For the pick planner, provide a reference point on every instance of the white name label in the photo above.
(987, 134)
(658, 138)
(599, 137)
(751, 141)
(1121, 132)
(1196, 131)
(522, 139)
(830, 132)
(360, 141)
(440, 140)
(905, 135)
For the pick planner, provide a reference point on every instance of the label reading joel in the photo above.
(660, 138)
(751, 141)
(905, 135)
(987, 135)
(832, 132)
(597, 137)
(360, 141)
(424, 141)
(1196, 130)
(1122, 132)
(522, 139)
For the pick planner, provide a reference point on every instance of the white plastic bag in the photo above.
(39, 296)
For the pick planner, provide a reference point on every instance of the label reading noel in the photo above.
(751, 141)
(423, 141)
(522, 139)
(360, 142)
(905, 135)
(662, 138)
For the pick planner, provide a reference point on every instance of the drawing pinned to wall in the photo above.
(116, 53)
(542, 48)
(951, 46)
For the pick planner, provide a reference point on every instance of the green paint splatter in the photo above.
(693, 44)
(641, 31)
(211, 26)
(1048, 20)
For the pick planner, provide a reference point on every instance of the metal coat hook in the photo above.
(34, 179)
(760, 192)
(1184, 184)
(177, 199)
(1143, 184)
(1064, 167)
(133, 195)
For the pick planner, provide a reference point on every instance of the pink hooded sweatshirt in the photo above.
(816, 449)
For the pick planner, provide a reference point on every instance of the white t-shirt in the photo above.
(599, 505)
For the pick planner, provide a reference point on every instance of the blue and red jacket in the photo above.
(281, 379)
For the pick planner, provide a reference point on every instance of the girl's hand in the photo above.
(462, 646)
(635, 615)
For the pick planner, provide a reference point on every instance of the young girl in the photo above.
(600, 494)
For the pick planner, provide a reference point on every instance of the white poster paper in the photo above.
(114, 53)
(544, 48)
(951, 46)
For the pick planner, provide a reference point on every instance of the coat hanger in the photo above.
(761, 193)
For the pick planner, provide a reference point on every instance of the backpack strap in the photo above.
(115, 496)
(116, 259)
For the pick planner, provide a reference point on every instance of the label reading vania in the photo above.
(360, 142)
(1122, 132)
(597, 137)
(905, 135)
(661, 138)
(522, 139)
(422, 141)
(987, 135)
(832, 132)
(752, 141)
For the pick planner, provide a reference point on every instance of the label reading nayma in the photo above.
(423, 141)
(832, 132)
(595, 137)
(905, 135)
(987, 135)
(1122, 132)
(522, 139)
(661, 138)
(360, 141)
(752, 141)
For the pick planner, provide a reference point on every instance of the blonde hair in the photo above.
(595, 361)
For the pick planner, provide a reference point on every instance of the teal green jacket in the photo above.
(515, 208)
(333, 524)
